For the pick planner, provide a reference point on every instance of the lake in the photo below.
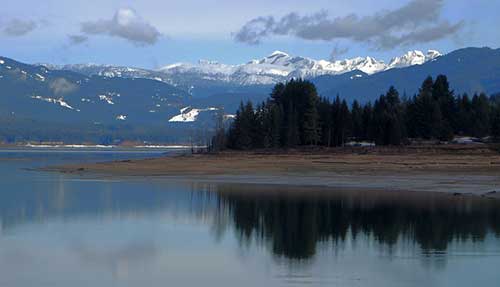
(68, 230)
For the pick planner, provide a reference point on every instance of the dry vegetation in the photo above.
(480, 159)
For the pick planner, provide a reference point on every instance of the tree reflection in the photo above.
(294, 221)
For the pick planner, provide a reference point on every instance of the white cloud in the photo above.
(125, 24)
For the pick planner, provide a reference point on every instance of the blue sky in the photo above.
(153, 33)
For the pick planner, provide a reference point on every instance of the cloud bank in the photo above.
(125, 24)
(19, 27)
(419, 21)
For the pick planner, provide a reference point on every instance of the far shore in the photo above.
(455, 169)
(97, 146)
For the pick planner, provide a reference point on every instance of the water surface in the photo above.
(65, 230)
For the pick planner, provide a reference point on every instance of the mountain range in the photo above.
(277, 67)
(136, 102)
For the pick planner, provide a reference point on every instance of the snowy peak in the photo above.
(276, 67)
(278, 53)
(413, 58)
(432, 54)
(276, 58)
(279, 66)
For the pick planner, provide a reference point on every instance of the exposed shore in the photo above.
(453, 169)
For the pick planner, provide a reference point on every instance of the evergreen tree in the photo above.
(481, 115)
(464, 116)
(242, 132)
(345, 123)
(495, 122)
(357, 121)
(341, 122)
(393, 118)
(310, 121)
(326, 121)
(425, 113)
(444, 96)
(367, 119)
(378, 126)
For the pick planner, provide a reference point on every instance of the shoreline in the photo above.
(104, 147)
(455, 170)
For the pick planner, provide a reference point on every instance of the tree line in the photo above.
(295, 115)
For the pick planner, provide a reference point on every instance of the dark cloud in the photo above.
(338, 51)
(77, 39)
(125, 24)
(19, 27)
(419, 21)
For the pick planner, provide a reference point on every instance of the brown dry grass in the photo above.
(427, 159)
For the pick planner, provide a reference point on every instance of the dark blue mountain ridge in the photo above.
(469, 70)
(38, 93)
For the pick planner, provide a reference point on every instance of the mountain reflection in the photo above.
(294, 221)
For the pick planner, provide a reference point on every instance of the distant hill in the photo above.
(38, 93)
(136, 103)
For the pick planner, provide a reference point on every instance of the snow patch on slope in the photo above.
(189, 114)
(59, 101)
(107, 99)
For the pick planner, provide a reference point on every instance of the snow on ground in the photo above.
(107, 99)
(466, 140)
(189, 114)
(356, 76)
(68, 146)
(59, 101)
(360, 144)
(40, 77)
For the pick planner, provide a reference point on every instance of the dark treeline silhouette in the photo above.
(295, 115)
(294, 223)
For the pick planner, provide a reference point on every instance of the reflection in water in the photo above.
(294, 222)
(291, 220)
(58, 230)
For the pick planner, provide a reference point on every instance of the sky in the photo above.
(154, 33)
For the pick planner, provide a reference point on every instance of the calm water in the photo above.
(61, 230)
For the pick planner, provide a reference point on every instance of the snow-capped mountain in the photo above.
(278, 66)
(413, 58)
(106, 102)
(110, 71)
